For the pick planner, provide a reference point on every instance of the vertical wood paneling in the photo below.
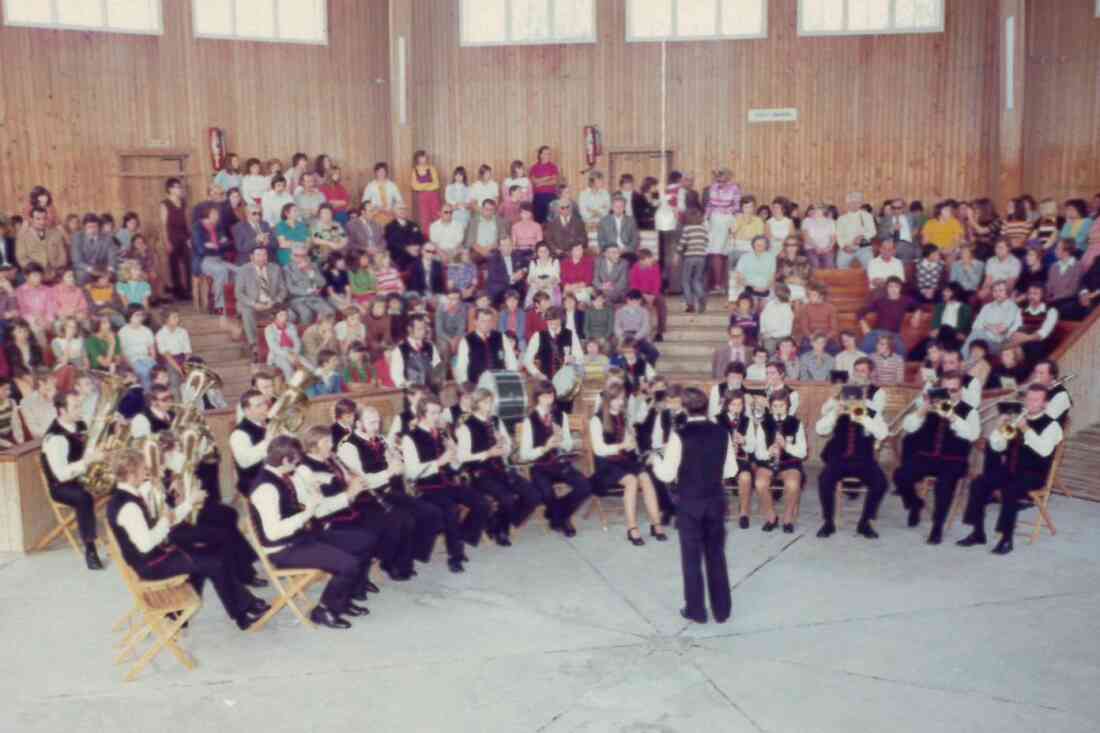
(1062, 137)
(69, 100)
(907, 114)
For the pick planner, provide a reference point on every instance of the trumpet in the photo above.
(1018, 395)
(855, 410)
(943, 408)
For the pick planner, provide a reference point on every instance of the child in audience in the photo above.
(11, 425)
(141, 253)
(889, 367)
(320, 337)
(377, 323)
(744, 315)
(462, 274)
(513, 319)
(387, 278)
(645, 277)
(36, 303)
(337, 281)
(787, 354)
(978, 365)
(105, 302)
(132, 287)
(103, 346)
(458, 196)
(849, 352)
(777, 319)
(599, 319)
(381, 365)
(329, 379)
(694, 240)
(358, 373)
(174, 346)
(596, 360)
(351, 330)
(517, 177)
(929, 273)
(758, 370)
(362, 285)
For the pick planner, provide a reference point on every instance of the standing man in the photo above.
(416, 358)
(698, 457)
(483, 350)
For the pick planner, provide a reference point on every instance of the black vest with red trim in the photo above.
(76, 441)
(935, 438)
(246, 477)
(850, 441)
(135, 558)
(157, 424)
(288, 507)
(635, 373)
(418, 362)
(1032, 322)
(483, 355)
(541, 432)
(372, 453)
(545, 358)
(1022, 458)
(741, 427)
(788, 429)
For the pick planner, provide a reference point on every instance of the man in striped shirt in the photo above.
(693, 249)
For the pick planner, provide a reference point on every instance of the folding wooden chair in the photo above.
(66, 517)
(850, 486)
(161, 608)
(290, 584)
(1041, 498)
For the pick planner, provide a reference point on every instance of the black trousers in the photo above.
(393, 529)
(217, 531)
(947, 475)
(179, 265)
(448, 498)
(868, 472)
(516, 497)
(207, 474)
(428, 522)
(703, 539)
(560, 509)
(73, 494)
(313, 551)
(200, 564)
(664, 496)
(1014, 489)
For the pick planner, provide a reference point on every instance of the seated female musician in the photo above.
(405, 420)
(617, 463)
(662, 412)
(483, 449)
(780, 448)
(734, 417)
(464, 405)
(720, 392)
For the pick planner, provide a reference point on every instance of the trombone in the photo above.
(1018, 395)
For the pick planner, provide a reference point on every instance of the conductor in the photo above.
(698, 456)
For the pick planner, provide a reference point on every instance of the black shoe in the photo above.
(659, 338)
(502, 539)
(370, 587)
(770, 526)
(455, 564)
(360, 594)
(257, 582)
(697, 619)
(1004, 546)
(827, 530)
(743, 522)
(354, 610)
(666, 519)
(788, 529)
(246, 619)
(974, 538)
(721, 620)
(258, 605)
(568, 529)
(659, 535)
(637, 541)
(935, 537)
(867, 531)
(91, 557)
(330, 620)
(914, 514)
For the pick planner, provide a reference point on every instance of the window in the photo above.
(287, 21)
(115, 16)
(695, 20)
(857, 17)
(525, 22)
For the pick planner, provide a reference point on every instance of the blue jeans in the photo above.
(692, 281)
(143, 368)
(844, 259)
(220, 272)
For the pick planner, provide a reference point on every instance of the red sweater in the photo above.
(646, 279)
(583, 272)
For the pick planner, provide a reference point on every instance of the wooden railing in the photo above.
(1079, 353)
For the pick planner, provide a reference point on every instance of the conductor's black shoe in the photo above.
(974, 538)
(659, 535)
(360, 594)
(743, 522)
(914, 514)
(867, 531)
(91, 557)
(1004, 546)
(697, 619)
(721, 620)
(354, 610)
(455, 565)
(827, 530)
(257, 582)
(370, 587)
(568, 529)
(324, 617)
(788, 529)
(502, 539)
(935, 537)
(770, 526)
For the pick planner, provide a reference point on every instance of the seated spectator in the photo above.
(510, 204)
(284, 347)
(447, 232)
(351, 330)
(849, 352)
(380, 362)
(337, 281)
(1087, 294)
(37, 407)
(319, 337)
(786, 353)
(817, 315)
(564, 226)
(378, 324)
(952, 319)
(889, 368)
(1034, 272)
(37, 305)
(997, 321)
(612, 275)
(327, 234)
(596, 361)
(746, 227)
(329, 379)
(426, 275)
(743, 314)
(978, 365)
(900, 227)
(92, 250)
(306, 286)
(816, 364)
(854, 232)
(617, 228)
(734, 351)
(544, 275)
(386, 276)
(104, 350)
(260, 288)
(819, 233)
(884, 267)
(42, 244)
(1078, 224)
(69, 353)
(23, 354)
(451, 321)
(11, 424)
(1002, 266)
(146, 259)
(632, 320)
(251, 233)
(776, 319)
(462, 273)
(485, 230)
(755, 272)
(70, 300)
(914, 330)
(594, 202)
(336, 195)
(291, 232)
(383, 196)
(967, 272)
(308, 199)
(513, 319)
(358, 372)
(138, 346)
(9, 305)
(481, 302)
(133, 290)
(362, 286)
(1064, 276)
(526, 232)
(929, 274)
(573, 317)
(757, 371)
(645, 277)
(1009, 372)
(364, 233)
(578, 270)
(599, 319)
(174, 346)
(1037, 322)
(889, 310)
(944, 230)
(793, 269)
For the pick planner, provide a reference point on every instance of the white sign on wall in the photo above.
(779, 114)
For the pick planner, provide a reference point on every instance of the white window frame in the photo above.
(1098, 8)
(57, 26)
(888, 31)
(674, 37)
(234, 36)
(549, 41)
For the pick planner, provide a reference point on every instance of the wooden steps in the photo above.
(1081, 464)
(227, 356)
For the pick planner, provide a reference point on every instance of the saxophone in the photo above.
(107, 433)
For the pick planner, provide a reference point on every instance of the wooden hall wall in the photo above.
(69, 100)
(901, 114)
(1062, 134)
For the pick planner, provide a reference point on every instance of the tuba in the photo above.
(154, 463)
(108, 432)
(287, 415)
(193, 445)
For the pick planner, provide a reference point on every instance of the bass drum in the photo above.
(509, 394)
(568, 382)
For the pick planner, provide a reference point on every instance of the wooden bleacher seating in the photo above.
(848, 291)
(161, 608)
(290, 584)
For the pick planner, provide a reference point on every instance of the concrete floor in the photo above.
(584, 635)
